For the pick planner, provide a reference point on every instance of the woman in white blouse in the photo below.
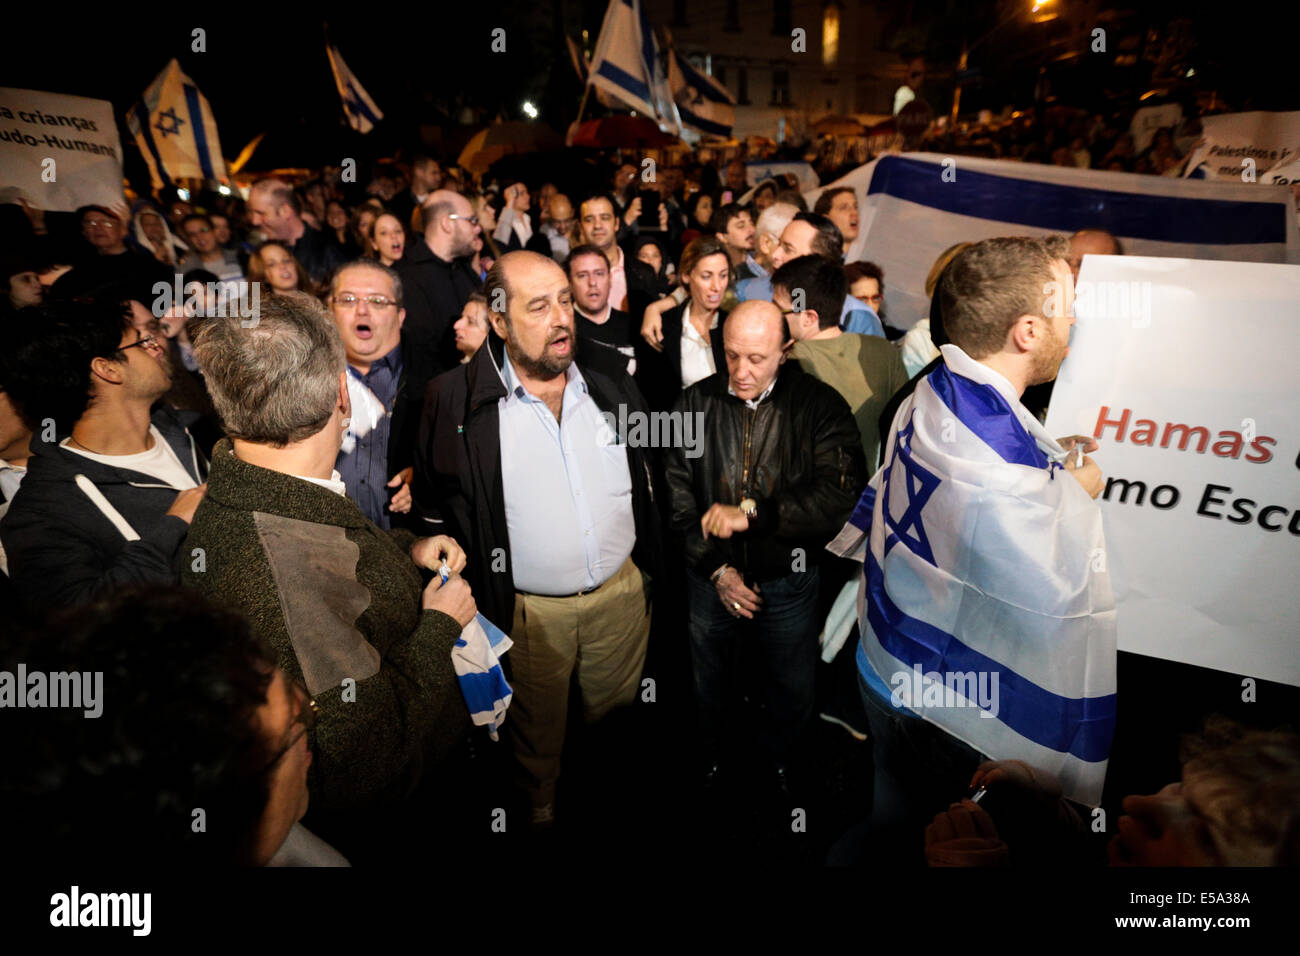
(692, 332)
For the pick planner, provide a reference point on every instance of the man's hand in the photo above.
(434, 552)
(964, 835)
(187, 501)
(453, 598)
(652, 324)
(1161, 830)
(1088, 475)
(400, 503)
(738, 599)
(722, 521)
(633, 211)
(1069, 441)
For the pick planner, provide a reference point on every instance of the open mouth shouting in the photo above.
(363, 331)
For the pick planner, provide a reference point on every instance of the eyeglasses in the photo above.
(99, 223)
(308, 714)
(469, 219)
(146, 341)
(197, 230)
(349, 301)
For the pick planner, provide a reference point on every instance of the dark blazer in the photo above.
(659, 374)
(458, 488)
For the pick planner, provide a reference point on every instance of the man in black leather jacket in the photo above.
(780, 473)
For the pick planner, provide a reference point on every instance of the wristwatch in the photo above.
(749, 508)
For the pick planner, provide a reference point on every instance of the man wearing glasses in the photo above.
(437, 279)
(375, 460)
(113, 482)
(107, 261)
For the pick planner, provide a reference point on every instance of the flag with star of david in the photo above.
(174, 128)
(985, 604)
(358, 107)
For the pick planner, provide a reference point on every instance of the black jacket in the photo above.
(64, 550)
(433, 293)
(458, 487)
(319, 254)
(659, 374)
(806, 471)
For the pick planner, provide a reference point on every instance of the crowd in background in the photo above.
(345, 473)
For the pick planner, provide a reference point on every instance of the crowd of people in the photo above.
(266, 460)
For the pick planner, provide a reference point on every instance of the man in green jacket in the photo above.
(341, 602)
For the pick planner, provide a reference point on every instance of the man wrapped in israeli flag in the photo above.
(985, 604)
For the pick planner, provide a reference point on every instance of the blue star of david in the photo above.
(919, 485)
(176, 123)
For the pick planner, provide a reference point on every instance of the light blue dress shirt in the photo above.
(567, 487)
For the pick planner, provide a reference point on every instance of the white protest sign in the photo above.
(1245, 146)
(59, 152)
(1151, 118)
(1184, 371)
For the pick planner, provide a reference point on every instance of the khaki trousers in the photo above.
(603, 635)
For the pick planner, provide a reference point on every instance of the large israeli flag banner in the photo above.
(624, 61)
(916, 205)
(985, 604)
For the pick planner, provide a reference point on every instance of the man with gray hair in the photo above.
(273, 208)
(437, 279)
(340, 602)
(517, 459)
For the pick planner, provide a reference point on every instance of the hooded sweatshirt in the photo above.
(78, 529)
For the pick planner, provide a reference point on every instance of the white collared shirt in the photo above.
(567, 486)
(333, 483)
(697, 351)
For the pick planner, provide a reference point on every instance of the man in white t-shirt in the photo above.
(112, 483)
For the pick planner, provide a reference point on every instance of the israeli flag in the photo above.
(476, 658)
(623, 64)
(174, 128)
(916, 205)
(985, 604)
(703, 104)
(360, 109)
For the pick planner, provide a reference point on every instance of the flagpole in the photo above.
(583, 108)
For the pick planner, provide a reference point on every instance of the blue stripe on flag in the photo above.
(984, 410)
(1063, 208)
(700, 82)
(624, 79)
(1082, 727)
(200, 134)
(863, 510)
(484, 691)
(142, 118)
(358, 106)
(703, 125)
